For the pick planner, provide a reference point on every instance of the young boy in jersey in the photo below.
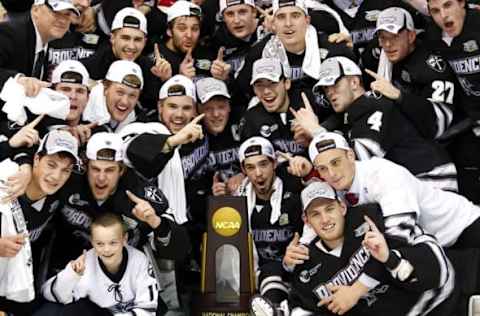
(273, 216)
(110, 279)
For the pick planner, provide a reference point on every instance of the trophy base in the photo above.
(207, 305)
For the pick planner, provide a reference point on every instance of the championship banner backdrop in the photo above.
(228, 279)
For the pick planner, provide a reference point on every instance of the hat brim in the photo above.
(274, 78)
(390, 27)
(210, 95)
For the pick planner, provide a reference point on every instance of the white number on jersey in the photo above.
(443, 91)
(375, 120)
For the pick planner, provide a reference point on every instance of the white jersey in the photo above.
(135, 294)
(440, 213)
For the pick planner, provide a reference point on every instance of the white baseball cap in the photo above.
(105, 140)
(209, 87)
(255, 146)
(57, 141)
(317, 190)
(120, 69)
(178, 85)
(183, 8)
(394, 20)
(267, 68)
(70, 71)
(59, 5)
(229, 3)
(334, 68)
(326, 141)
(277, 4)
(130, 17)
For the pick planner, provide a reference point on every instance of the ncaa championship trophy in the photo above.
(228, 279)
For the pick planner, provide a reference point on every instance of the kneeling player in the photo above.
(341, 276)
(112, 278)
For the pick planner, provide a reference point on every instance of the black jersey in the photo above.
(463, 55)
(428, 90)
(379, 129)
(352, 261)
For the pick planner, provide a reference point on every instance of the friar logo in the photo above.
(436, 63)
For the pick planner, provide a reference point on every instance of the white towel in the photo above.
(16, 273)
(384, 66)
(311, 62)
(47, 101)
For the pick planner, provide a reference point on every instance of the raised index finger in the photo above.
(36, 120)
(198, 118)
(135, 199)
(370, 223)
(156, 52)
(221, 51)
(306, 102)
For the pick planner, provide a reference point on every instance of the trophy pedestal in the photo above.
(207, 305)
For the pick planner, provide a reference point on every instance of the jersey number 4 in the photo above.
(375, 121)
(443, 91)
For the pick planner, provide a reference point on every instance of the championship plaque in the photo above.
(228, 279)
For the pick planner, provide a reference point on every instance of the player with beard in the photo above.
(181, 47)
(273, 215)
(454, 36)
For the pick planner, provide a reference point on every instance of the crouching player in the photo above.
(110, 279)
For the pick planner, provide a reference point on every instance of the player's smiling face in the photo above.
(260, 170)
(449, 15)
(121, 100)
(51, 172)
(108, 243)
(272, 95)
(128, 43)
(327, 219)
(396, 46)
(217, 112)
(336, 167)
(241, 20)
(103, 178)
(176, 112)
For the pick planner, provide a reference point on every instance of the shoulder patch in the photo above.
(436, 63)
(153, 194)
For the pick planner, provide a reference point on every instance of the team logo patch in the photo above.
(406, 76)
(152, 194)
(470, 46)
(372, 15)
(306, 275)
(203, 64)
(53, 206)
(283, 220)
(74, 199)
(266, 131)
(436, 63)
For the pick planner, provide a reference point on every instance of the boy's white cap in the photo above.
(394, 20)
(267, 68)
(183, 8)
(130, 17)
(228, 3)
(70, 71)
(209, 87)
(255, 146)
(105, 140)
(326, 141)
(317, 190)
(277, 4)
(120, 69)
(335, 68)
(59, 5)
(178, 85)
(59, 141)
